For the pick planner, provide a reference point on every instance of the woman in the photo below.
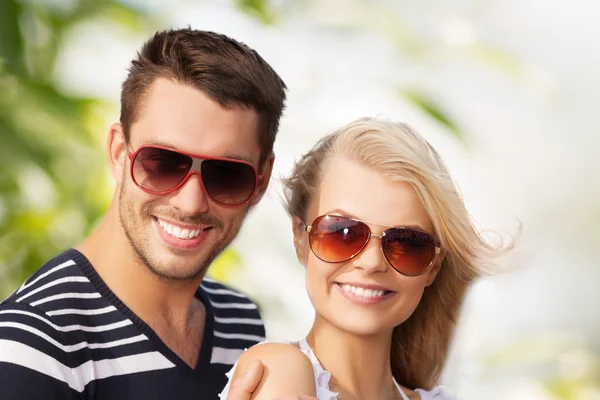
(389, 251)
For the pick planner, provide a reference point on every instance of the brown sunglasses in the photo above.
(336, 239)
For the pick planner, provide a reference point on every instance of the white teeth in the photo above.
(359, 291)
(177, 232)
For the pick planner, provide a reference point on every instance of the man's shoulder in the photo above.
(62, 282)
(230, 305)
(237, 321)
(31, 341)
(32, 319)
(46, 319)
(222, 296)
(59, 270)
(25, 317)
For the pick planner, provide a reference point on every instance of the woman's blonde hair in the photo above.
(420, 345)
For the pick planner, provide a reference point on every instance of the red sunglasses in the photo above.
(160, 170)
(336, 239)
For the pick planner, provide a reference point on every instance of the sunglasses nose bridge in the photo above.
(196, 169)
(197, 166)
(189, 197)
(370, 257)
(380, 237)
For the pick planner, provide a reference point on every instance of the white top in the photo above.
(322, 378)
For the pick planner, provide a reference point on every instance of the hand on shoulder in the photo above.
(287, 371)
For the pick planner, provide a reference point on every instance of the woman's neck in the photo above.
(359, 365)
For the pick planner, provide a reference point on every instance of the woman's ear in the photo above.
(432, 273)
(300, 240)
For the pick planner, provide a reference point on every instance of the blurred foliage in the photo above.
(53, 181)
(566, 367)
(225, 266)
(260, 9)
(435, 111)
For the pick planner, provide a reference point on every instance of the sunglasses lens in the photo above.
(409, 251)
(159, 170)
(337, 239)
(228, 182)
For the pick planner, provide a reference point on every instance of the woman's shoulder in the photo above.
(276, 354)
(437, 393)
(286, 370)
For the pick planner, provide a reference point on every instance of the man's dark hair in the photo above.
(229, 72)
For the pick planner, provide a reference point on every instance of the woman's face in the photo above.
(352, 190)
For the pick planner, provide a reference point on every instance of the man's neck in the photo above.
(157, 301)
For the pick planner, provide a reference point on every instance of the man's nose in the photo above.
(191, 198)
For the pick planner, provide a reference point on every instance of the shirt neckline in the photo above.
(205, 354)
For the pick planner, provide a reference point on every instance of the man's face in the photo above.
(185, 119)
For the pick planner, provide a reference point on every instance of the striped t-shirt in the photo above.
(65, 335)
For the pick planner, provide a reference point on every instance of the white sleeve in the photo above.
(229, 375)
(438, 393)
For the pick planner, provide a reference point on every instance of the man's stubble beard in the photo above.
(140, 246)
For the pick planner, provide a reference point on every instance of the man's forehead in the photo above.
(185, 119)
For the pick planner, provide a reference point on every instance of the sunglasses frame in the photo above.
(197, 160)
(308, 229)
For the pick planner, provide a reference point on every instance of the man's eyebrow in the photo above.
(170, 146)
(239, 157)
(158, 143)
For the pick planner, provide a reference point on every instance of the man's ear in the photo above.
(266, 178)
(117, 151)
(300, 240)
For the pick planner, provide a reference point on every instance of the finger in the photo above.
(243, 387)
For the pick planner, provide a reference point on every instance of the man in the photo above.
(128, 313)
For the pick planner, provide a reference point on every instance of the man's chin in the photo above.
(177, 274)
(175, 265)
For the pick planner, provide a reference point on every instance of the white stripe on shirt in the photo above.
(70, 328)
(221, 355)
(45, 274)
(66, 296)
(245, 321)
(77, 378)
(241, 336)
(243, 306)
(74, 347)
(54, 283)
(75, 311)
(223, 291)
